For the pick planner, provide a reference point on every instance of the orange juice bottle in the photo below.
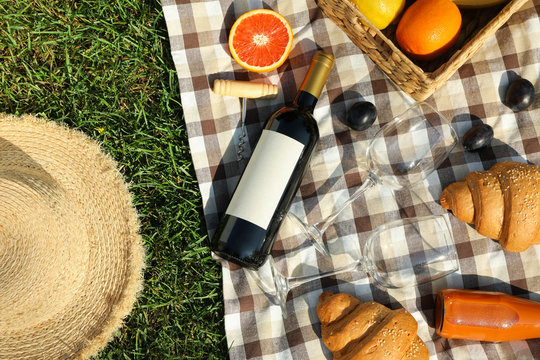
(485, 316)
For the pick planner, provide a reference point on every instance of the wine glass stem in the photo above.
(293, 282)
(319, 228)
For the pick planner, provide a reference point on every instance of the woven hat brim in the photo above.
(71, 256)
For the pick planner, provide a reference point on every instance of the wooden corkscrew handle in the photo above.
(244, 89)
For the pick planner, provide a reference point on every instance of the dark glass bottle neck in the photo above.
(305, 100)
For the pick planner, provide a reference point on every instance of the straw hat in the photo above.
(71, 257)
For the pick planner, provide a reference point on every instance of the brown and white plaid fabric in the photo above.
(255, 329)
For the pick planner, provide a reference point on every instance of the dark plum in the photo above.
(477, 137)
(361, 115)
(519, 95)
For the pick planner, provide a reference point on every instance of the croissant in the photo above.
(353, 330)
(502, 203)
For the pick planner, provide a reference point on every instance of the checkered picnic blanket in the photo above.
(254, 325)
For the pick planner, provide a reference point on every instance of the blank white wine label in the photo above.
(265, 178)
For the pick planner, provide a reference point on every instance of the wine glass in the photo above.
(400, 253)
(402, 153)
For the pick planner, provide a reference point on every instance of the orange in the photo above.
(429, 28)
(260, 40)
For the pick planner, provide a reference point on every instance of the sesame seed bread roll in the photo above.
(458, 197)
(355, 325)
(333, 307)
(488, 202)
(520, 185)
(505, 202)
(368, 330)
(417, 351)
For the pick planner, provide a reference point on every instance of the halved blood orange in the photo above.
(260, 40)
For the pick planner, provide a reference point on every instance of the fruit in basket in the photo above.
(477, 137)
(260, 40)
(361, 115)
(475, 4)
(380, 13)
(519, 95)
(429, 28)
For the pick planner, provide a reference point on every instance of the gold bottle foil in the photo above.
(321, 65)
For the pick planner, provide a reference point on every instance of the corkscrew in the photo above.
(244, 90)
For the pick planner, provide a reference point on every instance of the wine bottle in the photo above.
(273, 174)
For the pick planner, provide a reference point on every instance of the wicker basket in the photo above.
(418, 79)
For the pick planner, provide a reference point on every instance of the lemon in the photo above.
(380, 12)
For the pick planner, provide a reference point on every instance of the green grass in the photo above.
(104, 67)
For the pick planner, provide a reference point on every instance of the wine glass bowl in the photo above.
(410, 147)
(411, 251)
